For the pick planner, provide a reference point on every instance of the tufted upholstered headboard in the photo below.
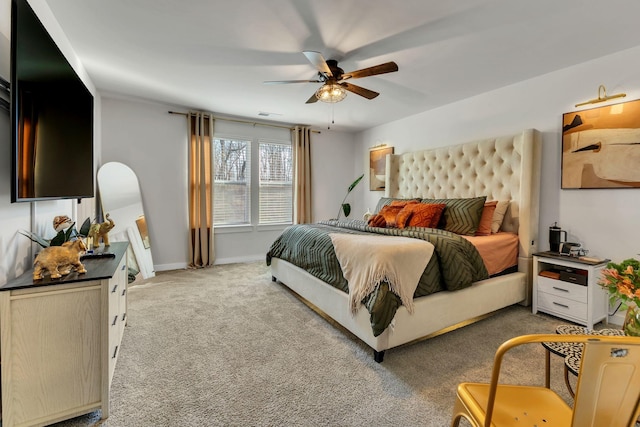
(504, 168)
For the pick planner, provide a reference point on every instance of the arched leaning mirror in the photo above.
(121, 199)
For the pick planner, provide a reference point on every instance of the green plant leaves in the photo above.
(354, 183)
(84, 229)
(62, 236)
(346, 209)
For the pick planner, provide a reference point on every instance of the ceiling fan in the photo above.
(334, 79)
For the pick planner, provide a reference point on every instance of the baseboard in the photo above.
(235, 260)
(617, 319)
(167, 267)
(220, 261)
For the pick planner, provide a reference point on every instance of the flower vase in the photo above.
(631, 326)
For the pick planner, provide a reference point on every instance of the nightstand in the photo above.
(567, 287)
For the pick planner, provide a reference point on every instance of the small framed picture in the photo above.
(377, 167)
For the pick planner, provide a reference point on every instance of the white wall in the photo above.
(153, 143)
(16, 250)
(604, 221)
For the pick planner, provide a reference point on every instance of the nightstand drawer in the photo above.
(563, 289)
(563, 307)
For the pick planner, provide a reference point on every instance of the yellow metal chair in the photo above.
(607, 392)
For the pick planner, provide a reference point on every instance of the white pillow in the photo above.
(498, 215)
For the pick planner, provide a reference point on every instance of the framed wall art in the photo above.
(601, 147)
(377, 166)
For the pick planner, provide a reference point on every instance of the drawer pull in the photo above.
(124, 316)
(113, 291)
(123, 267)
(561, 305)
(560, 289)
(115, 320)
(124, 291)
(115, 353)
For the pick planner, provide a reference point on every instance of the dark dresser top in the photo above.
(97, 269)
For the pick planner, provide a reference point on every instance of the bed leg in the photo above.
(273, 279)
(378, 356)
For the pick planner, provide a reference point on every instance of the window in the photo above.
(253, 182)
(276, 184)
(232, 182)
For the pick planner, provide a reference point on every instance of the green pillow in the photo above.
(461, 216)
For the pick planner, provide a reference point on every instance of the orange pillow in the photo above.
(389, 213)
(402, 219)
(403, 203)
(377, 221)
(424, 214)
(484, 226)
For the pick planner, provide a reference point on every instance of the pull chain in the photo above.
(332, 115)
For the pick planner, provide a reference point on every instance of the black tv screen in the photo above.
(51, 116)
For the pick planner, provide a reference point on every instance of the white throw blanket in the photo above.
(368, 260)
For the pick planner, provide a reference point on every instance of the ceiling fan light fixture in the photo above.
(331, 93)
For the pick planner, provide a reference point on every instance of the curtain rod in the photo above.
(243, 121)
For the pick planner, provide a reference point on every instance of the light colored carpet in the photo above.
(226, 346)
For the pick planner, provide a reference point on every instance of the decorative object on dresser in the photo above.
(567, 287)
(100, 231)
(58, 261)
(66, 231)
(501, 169)
(60, 340)
(622, 281)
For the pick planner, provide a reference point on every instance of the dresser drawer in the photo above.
(563, 307)
(563, 289)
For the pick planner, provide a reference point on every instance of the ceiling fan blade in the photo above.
(318, 61)
(387, 67)
(281, 82)
(313, 99)
(369, 94)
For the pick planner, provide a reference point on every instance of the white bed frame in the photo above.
(504, 168)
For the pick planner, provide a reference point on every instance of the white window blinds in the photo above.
(276, 183)
(232, 180)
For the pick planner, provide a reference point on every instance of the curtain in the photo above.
(201, 251)
(302, 175)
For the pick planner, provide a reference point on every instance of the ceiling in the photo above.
(215, 55)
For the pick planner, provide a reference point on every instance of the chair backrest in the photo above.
(608, 390)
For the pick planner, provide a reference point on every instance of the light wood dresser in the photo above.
(60, 339)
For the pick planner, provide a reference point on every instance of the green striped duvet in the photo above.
(455, 264)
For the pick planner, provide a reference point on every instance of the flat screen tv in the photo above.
(51, 116)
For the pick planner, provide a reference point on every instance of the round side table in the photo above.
(571, 352)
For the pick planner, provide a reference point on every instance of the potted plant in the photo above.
(623, 283)
(66, 231)
(346, 207)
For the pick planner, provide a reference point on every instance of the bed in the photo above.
(499, 169)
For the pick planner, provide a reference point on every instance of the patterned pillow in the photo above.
(461, 216)
(425, 214)
(390, 213)
(377, 221)
(384, 201)
(484, 227)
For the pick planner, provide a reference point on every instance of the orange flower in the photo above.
(622, 281)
